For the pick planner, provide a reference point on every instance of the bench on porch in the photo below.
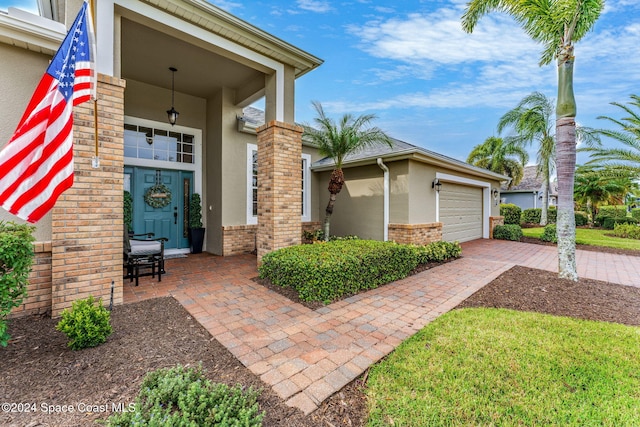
(143, 255)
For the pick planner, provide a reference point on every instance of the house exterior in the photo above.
(261, 184)
(528, 193)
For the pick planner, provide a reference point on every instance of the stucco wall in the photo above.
(20, 73)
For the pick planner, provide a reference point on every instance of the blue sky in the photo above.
(429, 83)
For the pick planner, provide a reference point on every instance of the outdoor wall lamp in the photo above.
(172, 113)
(436, 184)
(495, 195)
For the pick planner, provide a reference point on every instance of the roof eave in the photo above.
(421, 156)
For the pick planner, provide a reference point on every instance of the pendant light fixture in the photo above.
(172, 113)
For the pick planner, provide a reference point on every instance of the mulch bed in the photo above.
(37, 366)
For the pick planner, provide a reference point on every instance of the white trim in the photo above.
(385, 202)
(196, 167)
(486, 197)
(105, 36)
(306, 189)
(251, 219)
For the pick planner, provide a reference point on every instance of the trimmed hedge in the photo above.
(552, 215)
(609, 223)
(635, 213)
(531, 216)
(550, 234)
(437, 252)
(327, 271)
(507, 232)
(582, 218)
(511, 213)
(626, 231)
(609, 212)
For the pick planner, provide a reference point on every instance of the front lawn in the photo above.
(503, 367)
(591, 237)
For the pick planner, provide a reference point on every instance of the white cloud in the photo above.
(226, 5)
(318, 6)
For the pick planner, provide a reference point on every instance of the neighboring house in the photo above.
(528, 193)
(261, 184)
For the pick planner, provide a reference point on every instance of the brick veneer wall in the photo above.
(493, 221)
(418, 234)
(87, 220)
(38, 300)
(238, 239)
(279, 196)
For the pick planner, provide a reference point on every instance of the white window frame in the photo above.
(251, 219)
(195, 167)
(306, 191)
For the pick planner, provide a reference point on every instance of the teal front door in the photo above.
(163, 213)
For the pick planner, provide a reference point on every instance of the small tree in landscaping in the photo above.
(16, 257)
(337, 140)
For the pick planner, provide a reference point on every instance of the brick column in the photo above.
(493, 221)
(87, 220)
(279, 186)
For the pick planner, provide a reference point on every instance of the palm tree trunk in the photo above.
(545, 200)
(327, 216)
(566, 165)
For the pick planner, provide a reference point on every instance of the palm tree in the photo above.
(628, 156)
(500, 156)
(556, 24)
(336, 141)
(596, 185)
(532, 120)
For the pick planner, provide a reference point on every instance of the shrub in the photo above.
(610, 222)
(609, 212)
(16, 257)
(195, 211)
(552, 215)
(627, 231)
(128, 210)
(549, 234)
(511, 213)
(531, 215)
(582, 218)
(318, 236)
(507, 232)
(327, 271)
(181, 396)
(635, 213)
(86, 325)
(437, 252)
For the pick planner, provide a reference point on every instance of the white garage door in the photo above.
(460, 212)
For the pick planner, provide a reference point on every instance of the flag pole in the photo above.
(95, 162)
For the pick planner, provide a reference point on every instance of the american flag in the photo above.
(36, 166)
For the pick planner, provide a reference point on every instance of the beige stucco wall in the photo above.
(359, 206)
(20, 73)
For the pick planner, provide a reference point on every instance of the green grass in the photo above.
(496, 367)
(592, 237)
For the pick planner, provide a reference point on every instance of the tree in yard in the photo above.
(533, 121)
(628, 134)
(556, 24)
(336, 141)
(595, 186)
(501, 156)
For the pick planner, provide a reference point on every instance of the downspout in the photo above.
(385, 198)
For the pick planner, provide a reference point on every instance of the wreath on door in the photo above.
(158, 196)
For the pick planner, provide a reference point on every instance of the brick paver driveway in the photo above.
(306, 355)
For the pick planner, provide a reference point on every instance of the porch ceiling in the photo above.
(148, 53)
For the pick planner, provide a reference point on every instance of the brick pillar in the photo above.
(493, 221)
(87, 220)
(279, 186)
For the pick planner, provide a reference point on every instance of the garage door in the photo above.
(460, 212)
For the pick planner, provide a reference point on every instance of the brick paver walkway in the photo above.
(307, 355)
